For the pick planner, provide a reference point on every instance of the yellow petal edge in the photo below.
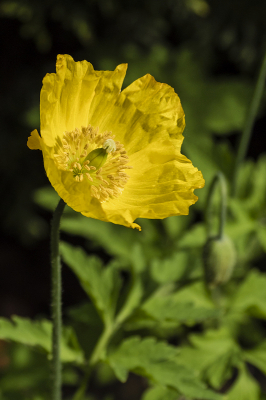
(146, 117)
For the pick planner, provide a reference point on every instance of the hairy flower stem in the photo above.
(56, 301)
(218, 179)
(250, 119)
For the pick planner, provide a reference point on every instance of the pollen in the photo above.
(105, 179)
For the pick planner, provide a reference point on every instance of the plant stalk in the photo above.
(56, 302)
(101, 345)
(250, 119)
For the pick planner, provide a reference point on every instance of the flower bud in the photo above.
(219, 259)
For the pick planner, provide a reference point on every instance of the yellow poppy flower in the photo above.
(112, 155)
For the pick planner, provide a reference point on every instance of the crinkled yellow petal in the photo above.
(147, 117)
(76, 96)
(146, 111)
(161, 184)
(34, 141)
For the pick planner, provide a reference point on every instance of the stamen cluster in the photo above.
(70, 154)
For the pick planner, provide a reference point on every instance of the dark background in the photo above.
(227, 38)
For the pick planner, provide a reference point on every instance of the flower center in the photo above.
(94, 158)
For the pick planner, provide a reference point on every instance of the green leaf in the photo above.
(257, 356)
(101, 284)
(169, 269)
(160, 393)
(195, 293)
(195, 237)
(212, 355)
(251, 295)
(39, 334)
(170, 308)
(131, 247)
(245, 387)
(116, 240)
(158, 362)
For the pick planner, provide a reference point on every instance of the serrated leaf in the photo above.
(251, 295)
(101, 284)
(160, 393)
(245, 387)
(170, 308)
(39, 334)
(157, 361)
(212, 355)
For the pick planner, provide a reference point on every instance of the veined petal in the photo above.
(161, 184)
(146, 111)
(76, 96)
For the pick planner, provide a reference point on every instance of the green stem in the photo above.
(101, 345)
(96, 356)
(80, 394)
(56, 301)
(218, 179)
(250, 119)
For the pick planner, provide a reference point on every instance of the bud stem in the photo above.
(250, 119)
(218, 179)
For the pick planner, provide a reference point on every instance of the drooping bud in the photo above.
(219, 259)
(97, 158)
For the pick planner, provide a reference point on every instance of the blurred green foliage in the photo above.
(146, 298)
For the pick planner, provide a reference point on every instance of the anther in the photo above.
(89, 176)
